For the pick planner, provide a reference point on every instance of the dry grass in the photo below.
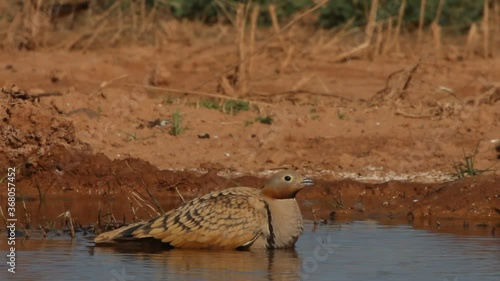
(404, 88)
(33, 27)
(66, 224)
(421, 22)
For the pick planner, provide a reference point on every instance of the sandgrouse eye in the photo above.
(288, 178)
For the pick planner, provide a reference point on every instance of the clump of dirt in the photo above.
(29, 130)
(474, 198)
(41, 143)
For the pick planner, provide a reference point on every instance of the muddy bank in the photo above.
(41, 143)
(69, 174)
(468, 199)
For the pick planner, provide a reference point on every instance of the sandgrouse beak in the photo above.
(307, 182)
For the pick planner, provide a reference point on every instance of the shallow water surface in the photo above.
(350, 251)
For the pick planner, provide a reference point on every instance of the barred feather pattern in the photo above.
(233, 218)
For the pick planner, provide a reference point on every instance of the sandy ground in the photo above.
(89, 120)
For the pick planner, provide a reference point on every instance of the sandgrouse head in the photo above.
(285, 185)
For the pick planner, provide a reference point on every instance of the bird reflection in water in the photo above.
(187, 264)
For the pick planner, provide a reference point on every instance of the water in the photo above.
(349, 251)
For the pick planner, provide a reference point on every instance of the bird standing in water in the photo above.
(233, 218)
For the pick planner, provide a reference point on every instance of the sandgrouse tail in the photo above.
(233, 218)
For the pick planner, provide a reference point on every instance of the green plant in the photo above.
(235, 106)
(341, 115)
(467, 168)
(168, 100)
(204, 10)
(211, 11)
(336, 202)
(312, 112)
(210, 104)
(456, 14)
(248, 123)
(132, 136)
(177, 128)
(337, 13)
(229, 106)
(264, 119)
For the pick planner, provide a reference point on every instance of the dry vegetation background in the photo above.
(384, 34)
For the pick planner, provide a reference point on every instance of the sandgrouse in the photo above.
(233, 218)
